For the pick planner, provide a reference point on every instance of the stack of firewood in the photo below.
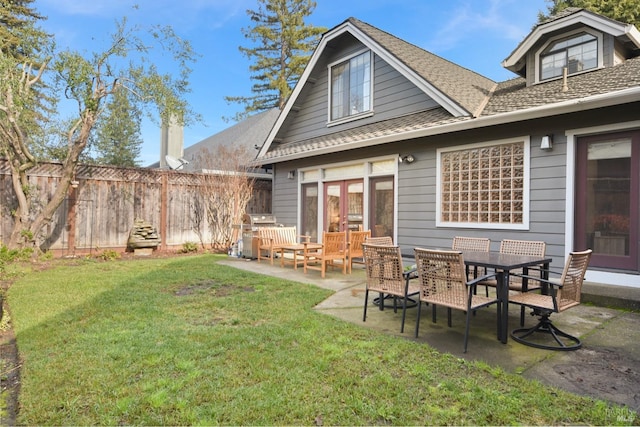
(143, 235)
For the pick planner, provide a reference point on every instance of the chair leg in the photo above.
(466, 330)
(418, 317)
(366, 301)
(449, 316)
(404, 313)
(546, 327)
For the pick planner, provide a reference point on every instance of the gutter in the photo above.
(592, 102)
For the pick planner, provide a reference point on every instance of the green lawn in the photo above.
(184, 341)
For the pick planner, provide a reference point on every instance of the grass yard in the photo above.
(184, 341)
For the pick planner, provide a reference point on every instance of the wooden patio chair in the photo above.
(356, 254)
(386, 275)
(442, 280)
(561, 295)
(519, 247)
(382, 241)
(334, 248)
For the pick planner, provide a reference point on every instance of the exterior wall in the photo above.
(393, 96)
(416, 183)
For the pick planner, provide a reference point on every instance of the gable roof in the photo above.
(507, 102)
(458, 90)
(462, 86)
(568, 17)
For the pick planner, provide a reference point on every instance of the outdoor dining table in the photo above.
(502, 264)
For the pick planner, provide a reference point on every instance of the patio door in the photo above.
(344, 203)
(607, 199)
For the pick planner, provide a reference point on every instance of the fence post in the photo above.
(164, 195)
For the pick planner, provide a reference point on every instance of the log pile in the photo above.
(143, 235)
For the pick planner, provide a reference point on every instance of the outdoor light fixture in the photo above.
(547, 142)
(291, 174)
(407, 159)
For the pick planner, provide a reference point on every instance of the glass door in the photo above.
(607, 199)
(344, 202)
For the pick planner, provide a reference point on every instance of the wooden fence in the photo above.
(100, 211)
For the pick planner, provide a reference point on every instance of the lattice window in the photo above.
(483, 185)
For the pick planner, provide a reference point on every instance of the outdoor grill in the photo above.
(250, 224)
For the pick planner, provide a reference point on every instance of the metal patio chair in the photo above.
(442, 279)
(386, 275)
(561, 295)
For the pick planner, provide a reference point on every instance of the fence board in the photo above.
(107, 201)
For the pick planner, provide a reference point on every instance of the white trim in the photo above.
(583, 17)
(350, 117)
(365, 174)
(600, 47)
(581, 104)
(605, 277)
(526, 206)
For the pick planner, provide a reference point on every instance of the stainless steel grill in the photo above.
(250, 225)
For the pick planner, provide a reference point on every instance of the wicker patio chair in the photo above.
(386, 275)
(356, 239)
(562, 295)
(472, 244)
(334, 248)
(441, 275)
(520, 247)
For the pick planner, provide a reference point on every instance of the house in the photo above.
(380, 134)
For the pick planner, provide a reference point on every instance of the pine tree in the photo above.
(627, 11)
(117, 139)
(283, 45)
(19, 35)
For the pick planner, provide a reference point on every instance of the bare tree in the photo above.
(227, 186)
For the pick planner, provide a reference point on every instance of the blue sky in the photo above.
(476, 34)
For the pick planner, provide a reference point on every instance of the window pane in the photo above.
(339, 83)
(577, 54)
(351, 86)
(483, 185)
(608, 197)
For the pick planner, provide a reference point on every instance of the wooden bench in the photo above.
(272, 239)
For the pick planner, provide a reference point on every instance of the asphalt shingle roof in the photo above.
(465, 87)
(480, 96)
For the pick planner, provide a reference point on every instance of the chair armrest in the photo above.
(304, 238)
(551, 283)
(480, 279)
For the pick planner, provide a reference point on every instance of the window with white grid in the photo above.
(484, 185)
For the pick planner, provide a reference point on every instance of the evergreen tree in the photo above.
(627, 11)
(283, 45)
(19, 35)
(117, 138)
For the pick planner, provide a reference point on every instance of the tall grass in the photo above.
(185, 341)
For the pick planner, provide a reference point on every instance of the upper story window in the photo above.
(350, 91)
(577, 53)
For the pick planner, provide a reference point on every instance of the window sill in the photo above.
(350, 118)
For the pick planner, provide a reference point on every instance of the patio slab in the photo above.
(606, 367)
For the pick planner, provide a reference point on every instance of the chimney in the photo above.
(171, 141)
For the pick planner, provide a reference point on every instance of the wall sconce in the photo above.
(547, 142)
(291, 174)
(407, 159)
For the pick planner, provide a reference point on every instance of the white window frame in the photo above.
(367, 111)
(568, 35)
(525, 190)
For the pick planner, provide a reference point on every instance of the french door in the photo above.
(343, 205)
(607, 199)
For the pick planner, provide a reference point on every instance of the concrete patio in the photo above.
(606, 367)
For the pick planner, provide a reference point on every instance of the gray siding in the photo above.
(393, 96)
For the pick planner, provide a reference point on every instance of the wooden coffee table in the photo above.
(297, 249)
